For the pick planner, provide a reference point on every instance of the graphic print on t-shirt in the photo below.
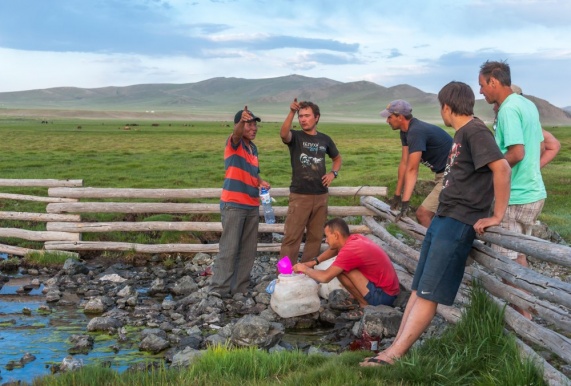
(307, 160)
(454, 152)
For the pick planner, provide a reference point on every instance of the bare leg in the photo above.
(424, 216)
(356, 283)
(418, 315)
(521, 260)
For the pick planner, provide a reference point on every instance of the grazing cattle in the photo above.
(154, 124)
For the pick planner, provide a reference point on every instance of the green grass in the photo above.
(190, 155)
(45, 259)
(476, 351)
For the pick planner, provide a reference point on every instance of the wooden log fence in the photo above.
(64, 227)
(545, 297)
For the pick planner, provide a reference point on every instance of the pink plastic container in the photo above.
(284, 266)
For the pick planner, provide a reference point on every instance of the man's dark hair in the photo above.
(339, 225)
(499, 70)
(459, 97)
(312, 106)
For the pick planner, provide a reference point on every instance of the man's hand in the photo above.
(294, 106)
(403, 211)
(301, 267)
(327, 179)
(395, 201)
(483, 223)
(246, 116)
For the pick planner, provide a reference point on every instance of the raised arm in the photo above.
(239, 127)
(285, 131)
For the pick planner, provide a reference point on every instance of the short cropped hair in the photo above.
(339, 225)
(499, 70)
(459, 97)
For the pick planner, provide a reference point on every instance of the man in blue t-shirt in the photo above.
(421, 143)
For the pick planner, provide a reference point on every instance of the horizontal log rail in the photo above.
(144, 226)
(195, 193)
(529, 245)
(24, 197)
(151, 248)
(40, 182)
(37, 235)
(38, 217)
(151, 207)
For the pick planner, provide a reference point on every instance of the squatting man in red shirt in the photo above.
(361, 266)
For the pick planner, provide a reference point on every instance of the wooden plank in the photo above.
(553, 314)
(151, 207)
(151, 248)
(38, 235)
(529, 245)
(543, 287)
(182, 226)
(24, 197)
(542, 336)
(42, 217)
(195, 193)
(16, 251)
(40, 182)
(383, 210)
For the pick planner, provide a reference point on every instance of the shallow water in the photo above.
(46, 336)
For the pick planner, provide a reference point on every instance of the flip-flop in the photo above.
(352, 315)
(345, 305)
(374, 362)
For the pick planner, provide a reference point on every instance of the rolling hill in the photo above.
(220, 98)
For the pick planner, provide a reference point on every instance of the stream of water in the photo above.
(46, 335)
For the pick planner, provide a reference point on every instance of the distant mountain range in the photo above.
(220, 98)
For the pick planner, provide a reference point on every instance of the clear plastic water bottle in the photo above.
(267, 205)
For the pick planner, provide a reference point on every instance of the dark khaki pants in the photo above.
(305, 211)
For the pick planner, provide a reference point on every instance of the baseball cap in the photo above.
(238, 116)
(399, 107)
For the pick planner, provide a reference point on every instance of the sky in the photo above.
(423, 43)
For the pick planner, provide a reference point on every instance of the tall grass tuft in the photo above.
(475, 351)
(45, 259)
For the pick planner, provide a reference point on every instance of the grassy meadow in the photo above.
(178, 154)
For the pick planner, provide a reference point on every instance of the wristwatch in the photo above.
(335, 173)
(316, 261)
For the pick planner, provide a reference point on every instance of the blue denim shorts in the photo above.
(443, 259)
(376, 296)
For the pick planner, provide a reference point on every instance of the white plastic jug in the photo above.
(295, 295)
(326, 288)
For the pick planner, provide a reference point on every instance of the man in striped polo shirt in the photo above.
(239, 208)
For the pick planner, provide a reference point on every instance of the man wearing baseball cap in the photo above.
(421, 143)
(239, 208)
